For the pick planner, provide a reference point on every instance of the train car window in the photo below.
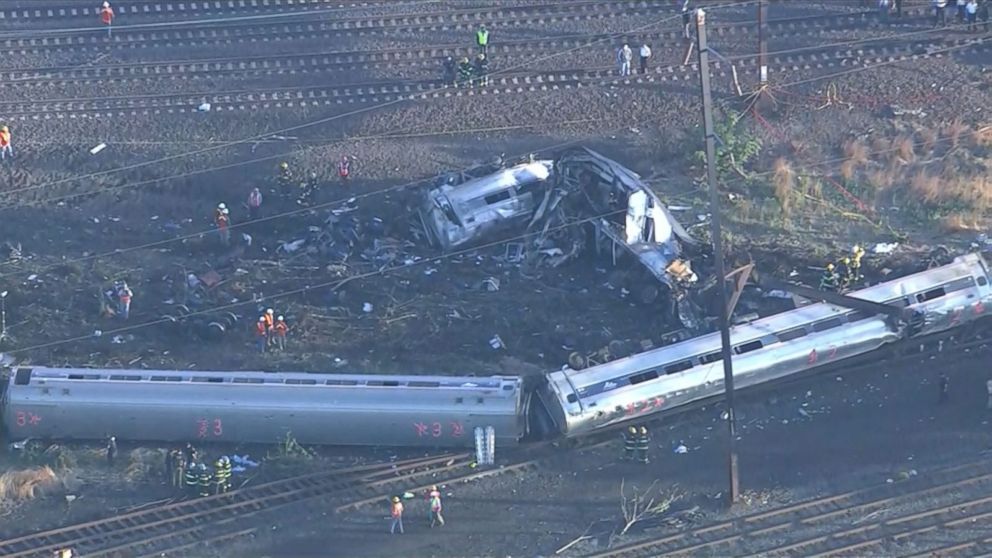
(341, 383)
(642, 377)
(790, 334)
(424, 384)
(121, 377)
(572, 398)
(931, 294)
(23, 377)
(748, 347)
(857, 316)
(497, 197)
(248, 381)
(959, 284)
(824, 325)
(84, 376)
(710, 358)
(381, 383)
(982, 281)
(208, 379)
(508, 387)
(479, 400)
(459, 400)
(301, 382)
(678, 367)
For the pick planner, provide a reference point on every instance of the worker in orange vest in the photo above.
(5, 149)
(396, 511)
(107, 16)
(261, 334)
(255, 204)
(280, 329)
(344, 168)
(270, 323)
(222, 219)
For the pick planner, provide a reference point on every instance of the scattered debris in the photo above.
(98, 149)
(205, 107)
(885, 247)
(497, 342)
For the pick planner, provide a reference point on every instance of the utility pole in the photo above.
(762, 43)
(728, 365)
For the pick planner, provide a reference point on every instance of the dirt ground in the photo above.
(82, 222)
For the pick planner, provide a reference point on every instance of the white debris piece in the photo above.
(98, 149)
(679, 208)
(885, 247)
(637, 212)
(367, 307)
(681, 449)
(205, 107)
(496, 342)
(662, 225)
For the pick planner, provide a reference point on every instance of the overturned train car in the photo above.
(581, 401)
(259, 407)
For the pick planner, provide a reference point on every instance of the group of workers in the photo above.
(271, 331)
(968, 11)
(843, 275)
(470, 72)
(117, 300)
(433, 497)
(186, 471)
(636, 443)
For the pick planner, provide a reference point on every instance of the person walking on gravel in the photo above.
(107, 17)
(222, 219)
(5, 148)
(938, 7)
(396, 511)
(624, 56)
(482, 39)
(645, 55)
(434, 498)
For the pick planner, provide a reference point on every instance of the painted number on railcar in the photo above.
(645, 405)
(209, 427)
(436, 429)
(22, 418)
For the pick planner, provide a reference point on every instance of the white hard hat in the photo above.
(261, 318)
(225, 211)
(270, 311)
(279, 318)
(106, 4)
(221, 206)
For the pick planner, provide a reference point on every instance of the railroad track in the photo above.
(842, 524)
(421, 23)
(501, 84)
(177, 524)
(352, 61)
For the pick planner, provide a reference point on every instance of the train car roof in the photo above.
(28, 375)
(590, 381)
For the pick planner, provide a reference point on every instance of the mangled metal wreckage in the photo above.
(549, 199)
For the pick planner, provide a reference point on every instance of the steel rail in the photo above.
(500, 84)
(248, 500)
(318, 62)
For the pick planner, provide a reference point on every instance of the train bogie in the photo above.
(247, 407)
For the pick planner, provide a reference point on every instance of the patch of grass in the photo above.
(784, 184)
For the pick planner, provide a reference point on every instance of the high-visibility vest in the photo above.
(4, 139)
(222, 221)
(107, 15)
(435, 501)
(260, 329)
(397, 510)
(344, 168)
(281, 328)
(482, 37)
(268, 320)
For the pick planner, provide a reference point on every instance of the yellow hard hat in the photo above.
(434, 488)
(830, 267)
(632, 430)
(644, 430)
(284, 165)
(396, 499)
(464, 59)
(846, 260)
(4, 129)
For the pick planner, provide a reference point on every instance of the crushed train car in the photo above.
(545, 198)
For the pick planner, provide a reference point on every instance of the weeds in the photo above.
(784, 182)
(737, 147)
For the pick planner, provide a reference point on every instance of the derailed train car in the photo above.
(581, 401)
(258, 407)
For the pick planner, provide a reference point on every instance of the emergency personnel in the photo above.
(179, 470)
(192, 478)
(270, 322)
(64, 553)
(643, 444)
(481, 70)
(6, 149)
(285, 177)
(222, 221)
(844, 273)
(170, 465)
(107, 16)
(856, 254)
(124, 295)
(828, 282)
(344, 169)
(203, 478)
(189, 454)
(396, 512)
(228, 471)
(450, 71)
(482, 39)
(255, 204)
(629, 443)
(280, 329)
(220, 480)
(261, 334)
(309, 188)
(111, 450)
(434, 498)
(464, 72)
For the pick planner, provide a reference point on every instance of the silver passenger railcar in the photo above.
(581, 401)
(249, 407)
